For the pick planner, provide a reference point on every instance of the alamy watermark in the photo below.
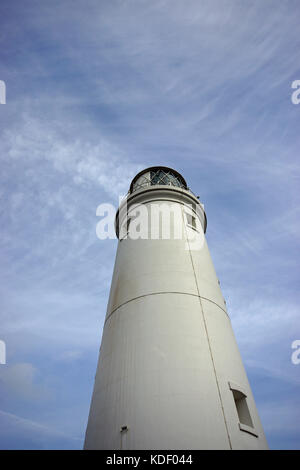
(2, 352)
(295, 358)
(2, 92)
(296, 94)
(159, 220)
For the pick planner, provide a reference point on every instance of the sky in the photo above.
(95, 92)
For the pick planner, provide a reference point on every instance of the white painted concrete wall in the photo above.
(168, 351)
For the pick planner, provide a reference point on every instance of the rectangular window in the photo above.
(191, 221)
(242, 409)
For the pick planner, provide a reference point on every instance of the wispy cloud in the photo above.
(39, 435)
(20, 380)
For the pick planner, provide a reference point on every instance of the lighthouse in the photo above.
(170, 374)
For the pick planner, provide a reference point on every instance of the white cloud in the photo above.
(103, 164)
(36, 434)
(21, 380)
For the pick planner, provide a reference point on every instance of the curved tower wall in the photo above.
(170, 375)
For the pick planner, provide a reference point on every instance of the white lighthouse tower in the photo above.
(170, 375)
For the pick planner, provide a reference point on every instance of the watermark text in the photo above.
(2, 92)
(2, 352)
(295, 358)
(296, 94)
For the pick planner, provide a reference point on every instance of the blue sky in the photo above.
(97, 91)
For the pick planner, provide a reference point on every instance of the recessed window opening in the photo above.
(242, 408)
(191, 221)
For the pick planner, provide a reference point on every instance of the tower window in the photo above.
(191, 221)
(242, 408)
(164, 177)
(241, 405)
